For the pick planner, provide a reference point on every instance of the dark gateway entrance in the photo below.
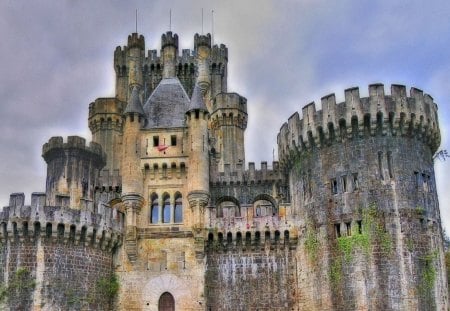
(166, 302)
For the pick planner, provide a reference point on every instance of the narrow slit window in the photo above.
(334, 186)
(359, 222)
(355, 181)
(337, 230)
(389, 163)
(344, 183)
(417, 179)
(380, 165)
(348, 227)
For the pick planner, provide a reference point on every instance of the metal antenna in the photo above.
(136, 20)
(170, 20)
(212, 27)
(202, 21)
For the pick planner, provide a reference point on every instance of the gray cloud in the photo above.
(56, 58)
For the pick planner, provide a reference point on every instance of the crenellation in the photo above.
(388, 113)
(162, 199)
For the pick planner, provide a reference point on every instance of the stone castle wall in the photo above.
(56, 258)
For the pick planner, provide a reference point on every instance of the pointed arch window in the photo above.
(166, 209)
(154, 213)
(178, 209)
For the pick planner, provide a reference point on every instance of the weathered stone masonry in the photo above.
(161, 211)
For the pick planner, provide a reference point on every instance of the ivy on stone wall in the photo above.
(365, 238)
(21, 283)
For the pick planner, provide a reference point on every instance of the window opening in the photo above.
(380, 165)
(334, 186)
(155, 141)
(337, 230)
(173, 140)
(166, 211)
(389, 162)
(344, 183)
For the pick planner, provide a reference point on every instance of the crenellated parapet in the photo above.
(229, 109)
(169, 39)
(106, 114)
(100, 229)
(251, 176)
(56, 146)
(136, 41)
(219, 54)
(202, 40)
(379, 114)
(72, 170)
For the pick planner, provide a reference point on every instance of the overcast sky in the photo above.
(57, 57)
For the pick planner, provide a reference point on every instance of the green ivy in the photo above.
(428, 275)
(312, 243)
(108, 286)
(20, 282)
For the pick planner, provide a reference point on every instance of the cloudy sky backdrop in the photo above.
(57, 56)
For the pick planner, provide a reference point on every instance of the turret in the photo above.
(128, 62)
(219, 64)
(202, 47)
(169, 52)
(72, 171)
(198, 171)
(228, 124)
(132, 180)
(106, 124)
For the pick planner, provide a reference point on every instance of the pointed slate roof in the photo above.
(197, 102)
(167, 105)
(134, 103)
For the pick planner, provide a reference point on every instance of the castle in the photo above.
(161, 212)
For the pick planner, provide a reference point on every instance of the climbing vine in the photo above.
(312, 243)
(370, 232)
(21, 282)
(428, 275)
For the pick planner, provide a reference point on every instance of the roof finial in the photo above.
(202, 21)
(170, 20)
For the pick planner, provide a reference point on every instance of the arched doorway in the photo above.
(166, 302)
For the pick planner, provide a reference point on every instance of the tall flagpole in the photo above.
(170, 20)
(202, 21)
(136, 20)
(212, 27)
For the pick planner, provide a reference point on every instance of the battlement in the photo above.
(396, 114)
(250, 176)
(169, 39)
(229, 101)
(136, 41)
(56, 146)
(252, 239)
(102, 228)
(202, 40)
(105, 105)
(219, 54)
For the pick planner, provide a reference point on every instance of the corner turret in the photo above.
(198, 172)
(132, 189)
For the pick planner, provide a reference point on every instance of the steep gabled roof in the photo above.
(167, 105)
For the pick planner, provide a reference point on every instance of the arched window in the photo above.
(154, 214)
(166, 209)
(178, 210)
(166, 302)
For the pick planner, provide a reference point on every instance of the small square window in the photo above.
(155, 141)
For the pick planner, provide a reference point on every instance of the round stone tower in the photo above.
(363, 192)
(169, 52)
(72, 171)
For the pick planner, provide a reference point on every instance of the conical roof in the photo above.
(134, 103)
(197, 102)
(167, 105)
